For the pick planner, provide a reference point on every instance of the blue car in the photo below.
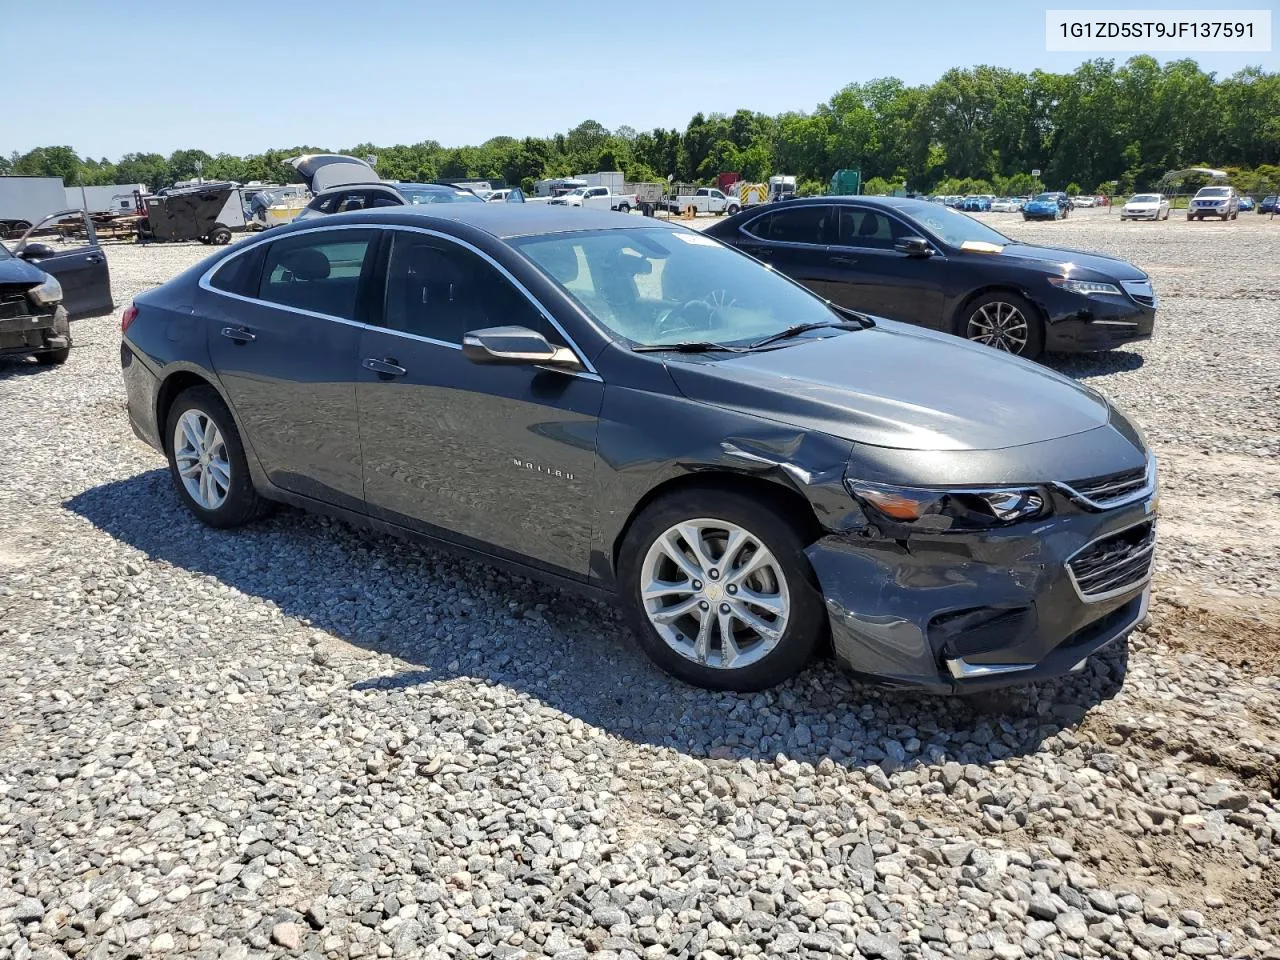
(1047, 206)
(1246, 203)
(976, 203)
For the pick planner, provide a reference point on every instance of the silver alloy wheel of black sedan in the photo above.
(715, 594)
(1001, 325)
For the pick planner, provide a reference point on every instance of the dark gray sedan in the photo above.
(630, 408)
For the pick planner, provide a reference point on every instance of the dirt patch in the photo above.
(1241, 632)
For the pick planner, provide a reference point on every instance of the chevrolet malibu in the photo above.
(632, 409)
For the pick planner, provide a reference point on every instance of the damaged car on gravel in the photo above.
(44, 287)
(638, 411)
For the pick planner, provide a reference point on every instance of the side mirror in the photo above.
(37, 251)
(914, 247)
(516, 345)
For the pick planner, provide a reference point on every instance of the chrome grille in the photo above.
(1114, 564)
(1141, 291)
(1112, 488)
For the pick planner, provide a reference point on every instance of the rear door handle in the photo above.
(239, 334)
(386, 368)
(94, 258)
(848, 261)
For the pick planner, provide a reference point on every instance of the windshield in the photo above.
(949, 225)
(1047, 198)
(656, 286)
(1214, 192)
(1145, 198)
(437, 195)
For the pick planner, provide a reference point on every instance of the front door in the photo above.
(284, 343)
(500, 458)
(81, 270)
(870, 275)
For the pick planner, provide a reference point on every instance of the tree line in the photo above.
(975, 130)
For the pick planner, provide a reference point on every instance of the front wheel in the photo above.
(719, 591)
(207, 461)
(220, 236)
(732, 209)
(1003, 321)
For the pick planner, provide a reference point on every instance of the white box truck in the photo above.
(24, 200)
(111, 198)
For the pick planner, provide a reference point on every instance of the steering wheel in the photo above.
(693, 314)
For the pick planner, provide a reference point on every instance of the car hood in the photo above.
(18, 272)
(897, 386)
(1069, 260)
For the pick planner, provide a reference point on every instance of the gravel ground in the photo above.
(300, 739)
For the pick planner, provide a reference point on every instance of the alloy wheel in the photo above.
(1000, 325)
(201, 456)
(715, 593)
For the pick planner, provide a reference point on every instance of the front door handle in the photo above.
(385, 368)
(847, 261)
(239, 334)
(94, 258)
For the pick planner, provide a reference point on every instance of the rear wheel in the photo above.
(1003, 321)
(57, 357)
(719, 591)
(220, 236)
(624, 208)
(207, 461)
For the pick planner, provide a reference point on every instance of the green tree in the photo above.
(49, 162)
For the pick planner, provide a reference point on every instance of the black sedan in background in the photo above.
(926, 264)
(633, 409)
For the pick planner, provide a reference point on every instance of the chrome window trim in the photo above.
(1127, 588)
(1146, 490)
(803, 244)
(205, 283)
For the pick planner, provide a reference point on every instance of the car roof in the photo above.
(502, 220)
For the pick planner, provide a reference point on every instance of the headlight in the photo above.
(48, 293)
(1087, 288)
(964, 509)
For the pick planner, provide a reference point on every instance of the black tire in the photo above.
(1235, 215)
(624, 208)
(242, 503)
(1035, 323)
(732, 209)
(220, 236)
(807, 618)
(52, 358)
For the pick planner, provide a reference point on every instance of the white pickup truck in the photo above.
(598, 197)
(706, 200)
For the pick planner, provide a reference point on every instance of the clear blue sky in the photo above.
(244, 76)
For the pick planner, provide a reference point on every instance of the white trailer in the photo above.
(26, 200)
(111, 198)
(612, 179)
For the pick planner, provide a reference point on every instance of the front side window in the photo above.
(868, 228)
(950, 225)
(439, 290)
(318, 271)
(655, 286)
(794, 225)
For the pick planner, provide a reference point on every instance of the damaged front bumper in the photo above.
(961, 612)
(23, 333)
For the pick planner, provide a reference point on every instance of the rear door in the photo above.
(795, 240)
(284, 333)
(81, 270)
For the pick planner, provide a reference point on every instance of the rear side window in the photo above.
(238, 274)
(794, 225)
(317, 271)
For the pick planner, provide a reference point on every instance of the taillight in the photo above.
(126, 318)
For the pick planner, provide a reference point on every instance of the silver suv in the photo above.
(1221, 202)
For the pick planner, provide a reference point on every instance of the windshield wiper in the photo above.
(799, 328)
(686, 346)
